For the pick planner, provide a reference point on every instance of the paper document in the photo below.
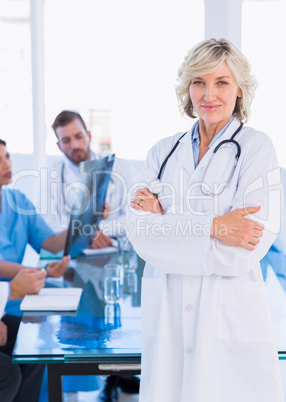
(100, 251)
(52, 299)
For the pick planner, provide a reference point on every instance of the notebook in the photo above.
(52, 299)
(104, 250)
(100, 251)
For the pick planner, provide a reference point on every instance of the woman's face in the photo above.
(214, 96)
(5, 166)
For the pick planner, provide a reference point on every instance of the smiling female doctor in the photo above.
(207, 334)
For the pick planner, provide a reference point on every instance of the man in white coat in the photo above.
(59, 182)
(18, 383)
(207, 332)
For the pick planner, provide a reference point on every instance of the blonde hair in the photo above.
(206, 58)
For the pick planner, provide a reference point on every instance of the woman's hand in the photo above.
(27, 281)
(236, 230)
(100, 240)
(3, 333)
(57, 269)
(144, 200)
(106, 210)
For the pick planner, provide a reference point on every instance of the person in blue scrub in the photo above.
(18, 383)
(21, 225)
(276, 255)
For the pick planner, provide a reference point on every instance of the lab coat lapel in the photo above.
(70, 172)
(185, 153)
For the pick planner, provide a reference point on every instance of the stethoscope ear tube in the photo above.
(156, 185)
(238, 149)
(231, 141)
(168, 156)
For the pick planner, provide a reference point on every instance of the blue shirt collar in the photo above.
(196, 136)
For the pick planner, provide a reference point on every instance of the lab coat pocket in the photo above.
(151, 305)
(243, 312)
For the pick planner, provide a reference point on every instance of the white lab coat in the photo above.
(58, 187)
(207, 333)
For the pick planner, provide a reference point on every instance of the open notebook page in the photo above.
(52, 299)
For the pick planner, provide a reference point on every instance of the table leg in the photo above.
(57, 370)
(55, 386)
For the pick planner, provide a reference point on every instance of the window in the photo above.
(263, 44)
(116, 63)
(15, 76)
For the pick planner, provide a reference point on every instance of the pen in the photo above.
(43, 269)
(114, 243)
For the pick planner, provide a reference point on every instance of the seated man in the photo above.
(18, 383)
(21, 225)
(59, 191)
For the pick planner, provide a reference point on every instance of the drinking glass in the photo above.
(112, 316)
(112, 282)
(129, 258)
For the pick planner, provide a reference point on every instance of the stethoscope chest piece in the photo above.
(156, 186)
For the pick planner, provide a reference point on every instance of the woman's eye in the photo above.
(222, 83)
(197, 82)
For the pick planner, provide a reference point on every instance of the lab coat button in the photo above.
(188, 307)
(189, 351)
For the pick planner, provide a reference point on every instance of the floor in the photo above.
(92, 396)
(277, 306)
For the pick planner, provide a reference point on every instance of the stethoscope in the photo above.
(156, 185)
(63, 184)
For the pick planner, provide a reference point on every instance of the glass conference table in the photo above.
(100, 338)
(97, 339)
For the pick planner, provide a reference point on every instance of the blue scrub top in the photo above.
(19, 225)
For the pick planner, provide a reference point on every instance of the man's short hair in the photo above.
(2, 142)
(66, 117)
